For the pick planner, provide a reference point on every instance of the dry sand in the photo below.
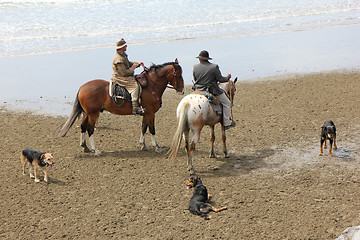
(274, 184)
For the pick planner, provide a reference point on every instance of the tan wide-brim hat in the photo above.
(120, 44)
(204, 55)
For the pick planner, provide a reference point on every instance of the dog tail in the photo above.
(76, 111)
(182, 125)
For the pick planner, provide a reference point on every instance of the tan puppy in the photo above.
(36, 160)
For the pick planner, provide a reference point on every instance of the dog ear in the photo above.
(42, 156)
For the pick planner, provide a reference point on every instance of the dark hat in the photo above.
(204, 55)
(121, 43)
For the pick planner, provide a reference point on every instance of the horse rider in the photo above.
(124, 75)
(206, 77)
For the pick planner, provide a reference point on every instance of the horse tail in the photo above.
(182, 124)
(76, 111)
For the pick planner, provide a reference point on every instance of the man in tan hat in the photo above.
(124, 74)
(206, 77)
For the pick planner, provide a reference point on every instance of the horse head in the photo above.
(229, 88)
(175, 78)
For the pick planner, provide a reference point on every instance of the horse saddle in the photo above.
(214, 102)
(121, 92)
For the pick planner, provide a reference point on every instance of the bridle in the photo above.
(175, 75)
(230, 95)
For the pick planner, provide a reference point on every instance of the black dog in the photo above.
(198, 203)
(328, 132)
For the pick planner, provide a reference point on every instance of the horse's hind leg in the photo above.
(90, 130)
(84, 126)
(224, 141)
(88, 125)
(212, 139)
(195, 140)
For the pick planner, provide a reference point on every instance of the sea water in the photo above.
(47, 26)
(49, 48)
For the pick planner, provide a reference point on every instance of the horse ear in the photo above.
(176, 60)
(235, 80)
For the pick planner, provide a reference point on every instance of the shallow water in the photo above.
(47, 26)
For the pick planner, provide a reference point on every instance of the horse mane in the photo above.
(157, 67)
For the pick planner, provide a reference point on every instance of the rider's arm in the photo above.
(218, 75)
(123, 70)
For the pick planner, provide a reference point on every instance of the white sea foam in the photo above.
(42, 26)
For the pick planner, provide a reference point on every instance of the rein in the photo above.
(146, 70)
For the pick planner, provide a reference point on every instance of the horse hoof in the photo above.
(227, 156)
(158, 149)
(192, 172)
(87, 150)
(97, 153)
(144, 148)
(212, 155)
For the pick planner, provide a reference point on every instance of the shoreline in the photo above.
(274, 179)
(32, 82)
(62, 106)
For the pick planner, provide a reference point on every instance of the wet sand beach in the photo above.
(274, 183)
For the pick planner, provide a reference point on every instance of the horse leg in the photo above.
(212, 139)
(84, 127)
(90, 130)
(151, 124)
(224, 142)
(187, 149)
(142, 136)
(195, 140)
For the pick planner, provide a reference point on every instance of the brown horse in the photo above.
(93, 97)
(193, 113)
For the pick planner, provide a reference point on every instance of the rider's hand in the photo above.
(228, 75)
(135, 65)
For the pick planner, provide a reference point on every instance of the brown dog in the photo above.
(199, 201)
(36, 160)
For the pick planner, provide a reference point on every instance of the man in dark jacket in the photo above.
(206, 78)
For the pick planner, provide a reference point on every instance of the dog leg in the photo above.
(23, 163)
(46, 178)
(330, 148)
(31, 167)
(212, 208)
(36, 174)
(321, 146)
(335, 147)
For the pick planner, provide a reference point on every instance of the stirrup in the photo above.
(138, 110)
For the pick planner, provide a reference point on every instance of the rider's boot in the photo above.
(137, 109)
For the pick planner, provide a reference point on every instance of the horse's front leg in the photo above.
(142, 135)
(151, 123)
(212, 139)
(224, 141)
